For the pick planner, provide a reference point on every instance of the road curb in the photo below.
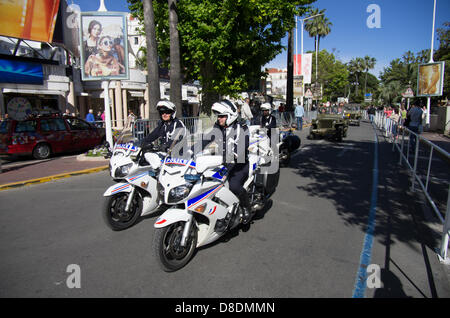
(51, 178)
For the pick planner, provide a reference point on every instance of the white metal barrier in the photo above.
(404, 140)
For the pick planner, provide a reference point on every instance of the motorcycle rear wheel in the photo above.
(114, 213)
(170, 255)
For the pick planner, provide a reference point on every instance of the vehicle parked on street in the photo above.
(43, 136)
(330, 123)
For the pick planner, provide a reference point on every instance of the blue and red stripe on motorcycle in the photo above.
(203, 196)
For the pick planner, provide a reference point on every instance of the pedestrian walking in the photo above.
(299, 113)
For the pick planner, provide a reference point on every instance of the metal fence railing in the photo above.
(429, 166)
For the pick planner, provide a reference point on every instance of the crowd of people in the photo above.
(413, 118)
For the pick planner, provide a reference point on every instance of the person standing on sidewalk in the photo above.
(90, 116)
(415, 124)
(299, 113)
(246, 113)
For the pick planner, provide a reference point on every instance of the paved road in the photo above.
(308, 242)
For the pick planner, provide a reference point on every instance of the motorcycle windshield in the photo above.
(127, 141)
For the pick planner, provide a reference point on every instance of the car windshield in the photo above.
(4, 126)
(330, 110)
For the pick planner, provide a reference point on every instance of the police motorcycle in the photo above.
(204, 209)
(135, 194)
(289, 143)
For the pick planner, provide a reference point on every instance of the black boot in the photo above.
(246, 209)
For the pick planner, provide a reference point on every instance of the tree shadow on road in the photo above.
(343, 174)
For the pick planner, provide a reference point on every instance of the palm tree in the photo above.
(175, 65)
(356, 67)
(369, 63)
(152, 55)
(319, 27)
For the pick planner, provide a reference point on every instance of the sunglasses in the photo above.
(106, 42)
(162, 112)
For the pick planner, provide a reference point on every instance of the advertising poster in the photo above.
(430, 81)
(104, 50)
(298, 89)
(29, 19)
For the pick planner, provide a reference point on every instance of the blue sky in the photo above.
(405, 25)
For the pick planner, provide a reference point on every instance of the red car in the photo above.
(43, 136)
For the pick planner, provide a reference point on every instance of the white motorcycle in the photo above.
(204, 208)
(135, 194)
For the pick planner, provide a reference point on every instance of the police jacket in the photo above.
(233, 142)
(267, 122)
(167, 131)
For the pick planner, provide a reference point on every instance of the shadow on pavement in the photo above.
(345, 178)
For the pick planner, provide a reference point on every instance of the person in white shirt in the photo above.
(246, 112)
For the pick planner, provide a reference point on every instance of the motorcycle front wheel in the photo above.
(114, 213)
(171, 256)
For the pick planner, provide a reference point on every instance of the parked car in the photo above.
(47, 135)
(330, 123)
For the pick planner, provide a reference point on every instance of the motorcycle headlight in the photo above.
(179, 193)
(122, 171)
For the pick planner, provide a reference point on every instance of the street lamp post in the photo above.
(431, 61)
(301, 44)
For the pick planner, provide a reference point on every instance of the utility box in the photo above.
(443, 119)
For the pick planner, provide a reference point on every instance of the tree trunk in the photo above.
(209, 94)
(175, 65)
(365, 85)
(152, 57)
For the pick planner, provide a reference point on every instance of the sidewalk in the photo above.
(31, 172)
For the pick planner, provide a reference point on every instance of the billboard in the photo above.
(430, 79)
(29, 19)
(19, 72)
(104, 46)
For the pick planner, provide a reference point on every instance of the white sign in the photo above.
(306, 68)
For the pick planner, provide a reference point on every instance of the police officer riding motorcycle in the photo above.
(169, 127)
(233, 140)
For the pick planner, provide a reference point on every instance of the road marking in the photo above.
(366, 253)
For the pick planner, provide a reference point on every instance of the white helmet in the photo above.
(167, 105)
(266, 106)
(227, 108)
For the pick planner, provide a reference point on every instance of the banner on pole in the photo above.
(306, 68)
(303, 66)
